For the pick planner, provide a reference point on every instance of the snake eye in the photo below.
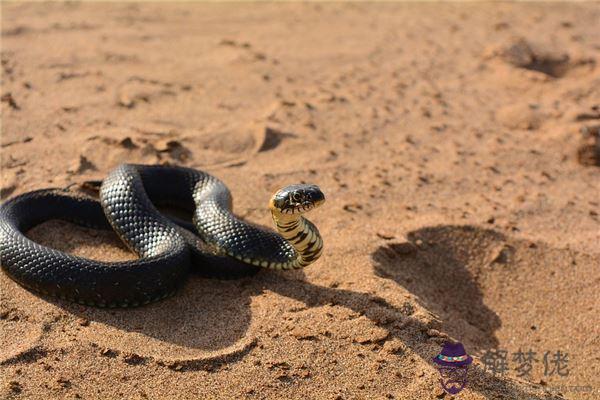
(297, 199)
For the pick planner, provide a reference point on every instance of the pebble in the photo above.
(385, 235)
(504, 255)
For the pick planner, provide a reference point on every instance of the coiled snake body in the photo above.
(224, 245)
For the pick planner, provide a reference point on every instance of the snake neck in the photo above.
(304, 237)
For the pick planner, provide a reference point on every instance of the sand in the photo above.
(454, 143)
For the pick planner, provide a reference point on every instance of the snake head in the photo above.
(296, 199)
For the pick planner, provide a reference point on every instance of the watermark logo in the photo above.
(497, 362)
(453, 364)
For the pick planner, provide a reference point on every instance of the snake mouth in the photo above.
(297, 199)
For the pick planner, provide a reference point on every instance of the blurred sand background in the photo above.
(454, 142)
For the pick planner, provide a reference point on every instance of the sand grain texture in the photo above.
(455, 144)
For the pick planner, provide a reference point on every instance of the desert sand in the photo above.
(455, 144)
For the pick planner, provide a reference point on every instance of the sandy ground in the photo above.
(455, 144)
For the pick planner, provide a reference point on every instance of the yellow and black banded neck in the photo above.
(304, 237)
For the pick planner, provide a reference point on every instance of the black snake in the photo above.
(129, 196)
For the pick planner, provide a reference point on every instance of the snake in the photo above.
(216, 242)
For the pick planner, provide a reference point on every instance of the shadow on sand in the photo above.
(436, 265)
(439, 265)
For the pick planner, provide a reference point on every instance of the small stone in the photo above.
(504, 255)
(108, 352)
(83, 322)
(385, 235)
(352, 208)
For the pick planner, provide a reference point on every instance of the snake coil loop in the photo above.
(221, 244)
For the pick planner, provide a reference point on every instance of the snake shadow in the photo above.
(211, 314)
(440, 275)
(440, 265)
(205, 314)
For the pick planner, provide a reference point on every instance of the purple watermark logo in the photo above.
(453, 364)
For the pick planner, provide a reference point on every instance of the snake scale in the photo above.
(217, 242)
